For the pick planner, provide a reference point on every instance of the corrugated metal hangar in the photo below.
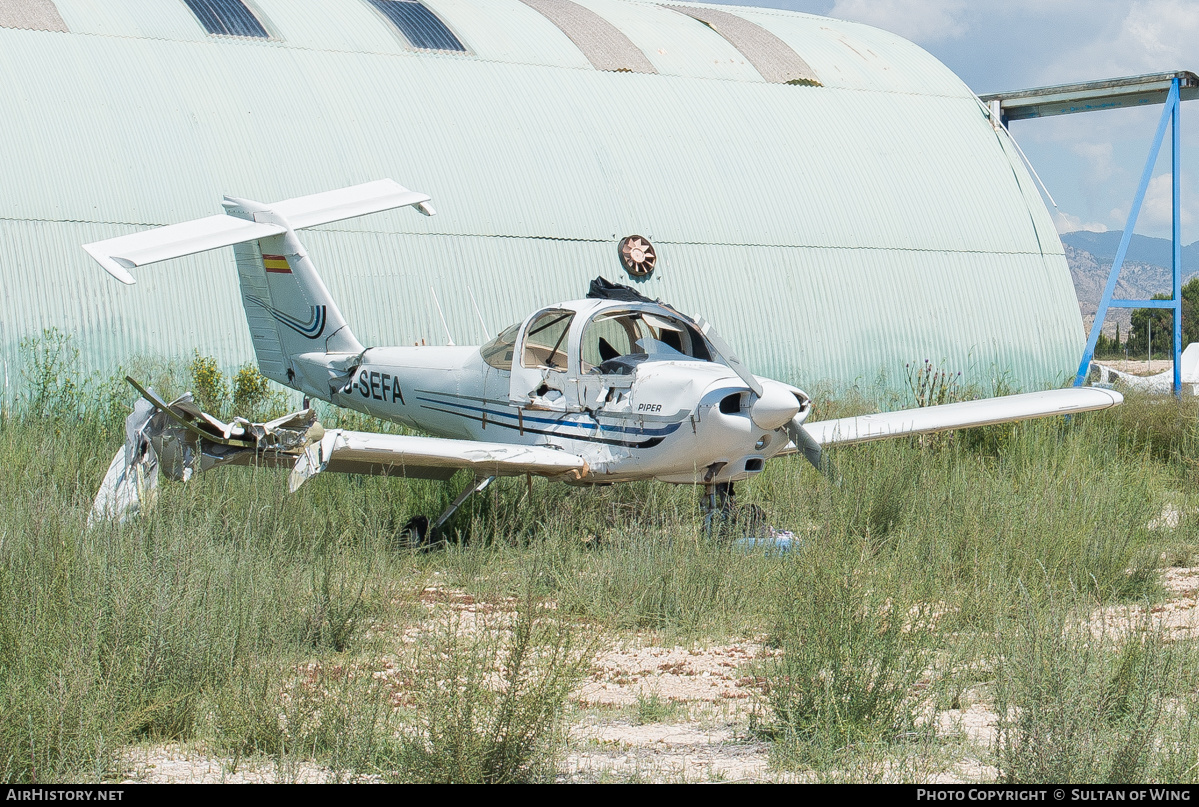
(829, 195)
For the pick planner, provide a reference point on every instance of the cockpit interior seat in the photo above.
(606, 350)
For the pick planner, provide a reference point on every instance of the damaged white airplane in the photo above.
(611, 388)
(1163, 382)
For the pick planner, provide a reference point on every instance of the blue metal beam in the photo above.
(1169, 116)
(1176, 233)
(1141, 304)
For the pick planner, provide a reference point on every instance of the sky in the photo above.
(1090, 162)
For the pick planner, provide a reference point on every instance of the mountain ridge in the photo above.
(1139, 279)
(1141, 248)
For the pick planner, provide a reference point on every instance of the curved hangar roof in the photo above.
(829, 195)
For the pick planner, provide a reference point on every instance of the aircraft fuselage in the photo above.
(678, 421)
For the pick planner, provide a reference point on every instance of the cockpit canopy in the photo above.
(615, 342)
(612, 341)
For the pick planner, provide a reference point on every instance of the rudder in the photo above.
(288, 308)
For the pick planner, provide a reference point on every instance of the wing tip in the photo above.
(1111, 396)
(117, 267)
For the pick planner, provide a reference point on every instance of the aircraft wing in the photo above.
(342, 451)
(179, 440)
(967, 414)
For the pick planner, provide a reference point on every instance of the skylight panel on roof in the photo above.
(31, 15)
(771, 57)
(227, 18)
(422, 28)
(604, 45)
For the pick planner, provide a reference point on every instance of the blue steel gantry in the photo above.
(1115, 94)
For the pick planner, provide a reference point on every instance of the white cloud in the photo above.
(921, 21)
(1163, 31)
(1153, 36)
(1065, 223)
(1101, 165)
(1157, 211)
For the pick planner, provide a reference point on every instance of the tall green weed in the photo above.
(488, 694)
(853, 649)
(1085, 701)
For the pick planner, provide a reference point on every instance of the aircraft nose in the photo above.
(775, 407)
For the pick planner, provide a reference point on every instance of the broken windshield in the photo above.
(616, 341)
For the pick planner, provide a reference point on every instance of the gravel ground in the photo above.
(699, 699)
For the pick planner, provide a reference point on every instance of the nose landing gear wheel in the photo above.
(725, 519)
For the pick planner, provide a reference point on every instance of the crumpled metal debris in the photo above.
(179, 440)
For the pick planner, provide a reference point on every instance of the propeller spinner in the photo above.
(775, 406)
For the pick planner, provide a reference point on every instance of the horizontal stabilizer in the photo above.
(341, 451)
(346, 203)
(964, 415)
(119, 255)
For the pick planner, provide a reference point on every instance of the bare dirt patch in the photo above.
(1176, 618)
(665, 752)
(680, 674)
(165, 764)
(1139, 367)
(709, 692)
(705, 695)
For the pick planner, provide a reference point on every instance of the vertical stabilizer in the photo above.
(288, 307)
(300, 337)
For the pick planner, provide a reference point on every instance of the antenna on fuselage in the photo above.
(441, 314)
(486, 330)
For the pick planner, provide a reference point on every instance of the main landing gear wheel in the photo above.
(412, 535)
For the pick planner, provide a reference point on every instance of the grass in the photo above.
(855, 647)
(1079, 703)
(653, 708)
(262, 625)
(487, 697)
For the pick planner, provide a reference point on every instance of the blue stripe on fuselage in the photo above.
(669, 428)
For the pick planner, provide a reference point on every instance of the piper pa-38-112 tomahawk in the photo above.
(611, 388)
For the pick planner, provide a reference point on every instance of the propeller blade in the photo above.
(811, 449)
(730, 358)
(804, 441)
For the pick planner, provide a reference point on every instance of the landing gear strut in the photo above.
(722, 514)
(419, 532)
(720, 507)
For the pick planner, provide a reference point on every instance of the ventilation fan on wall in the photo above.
(638, 256)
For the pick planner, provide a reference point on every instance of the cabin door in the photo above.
(541, 366)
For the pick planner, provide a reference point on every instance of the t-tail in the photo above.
(300, 336)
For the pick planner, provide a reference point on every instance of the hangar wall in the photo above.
(831, 232)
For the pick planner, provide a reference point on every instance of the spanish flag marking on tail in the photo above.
(276, 263)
